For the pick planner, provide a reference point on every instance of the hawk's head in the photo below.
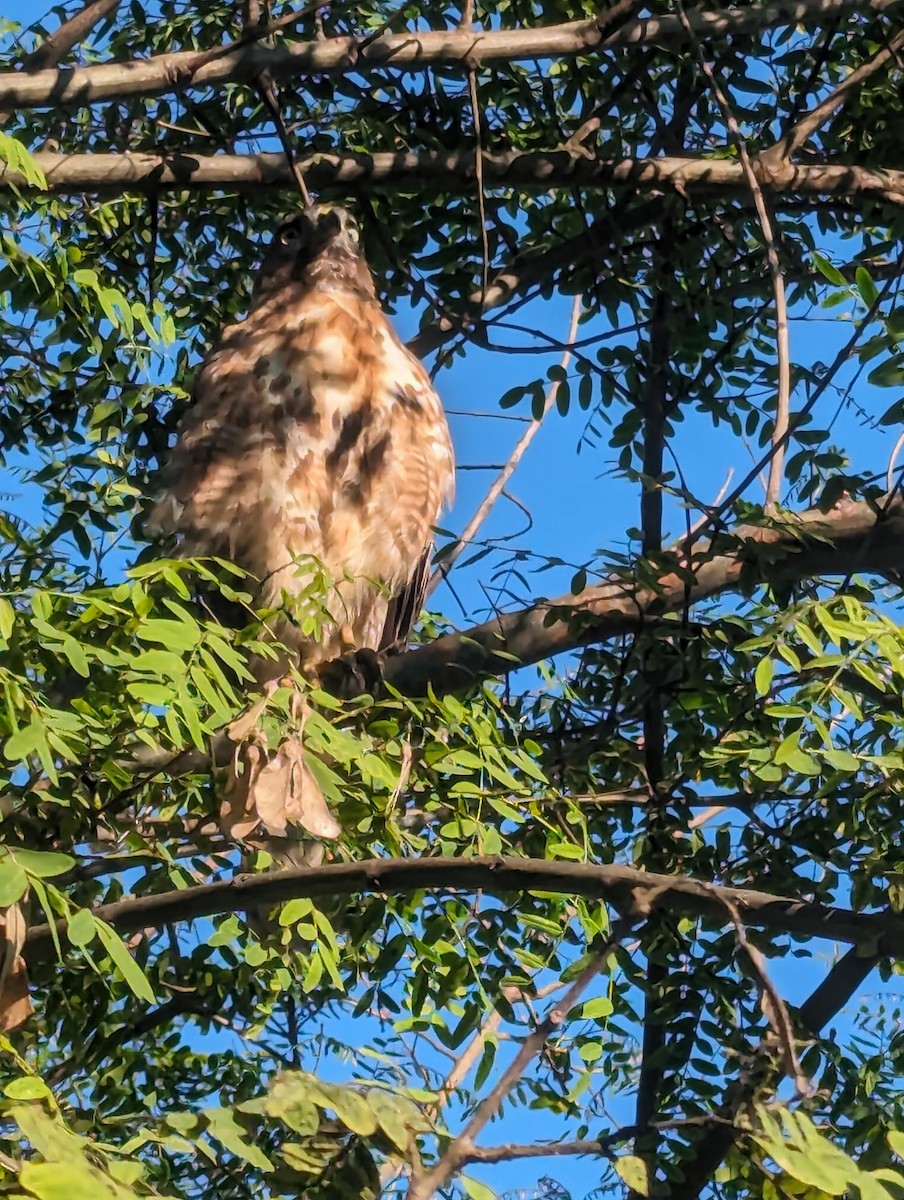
(318, 246)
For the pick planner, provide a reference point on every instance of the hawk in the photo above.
(315, 452)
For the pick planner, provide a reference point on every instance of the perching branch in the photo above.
(442, 170)
(858, 538)
(626, 889)
(405, 51)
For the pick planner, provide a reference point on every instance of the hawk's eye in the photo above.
(351, 232)
(290, 232)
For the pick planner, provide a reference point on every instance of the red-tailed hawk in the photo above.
(316, 444)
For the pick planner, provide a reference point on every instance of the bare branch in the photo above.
(69, 34)
(425, 1184)
(879, 933)
(464, 1063)
(783, 397)
(498, 484)
(807, 126)
(406, 51)
(481, 197)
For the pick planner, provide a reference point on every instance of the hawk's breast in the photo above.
(314, 434)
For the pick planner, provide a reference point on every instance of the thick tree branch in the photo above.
(627, 889)
(443, 170)
(405, 51)
(801, 546)
(856, 538)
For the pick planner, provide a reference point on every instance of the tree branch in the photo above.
(782, 336)
(625, 888)
(406, 51)
(69, 34)
(426, 1184)
(824, 1003)
(442, 170)
(803, 546)
(808, 124)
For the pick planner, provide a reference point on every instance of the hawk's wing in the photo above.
(405, 607)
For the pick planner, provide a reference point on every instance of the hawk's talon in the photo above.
(356, 673)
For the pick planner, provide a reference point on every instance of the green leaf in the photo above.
(510, 398)
(222, 1125)
(13, 883)
(868, 290)
(19, 158)
(354, 1111)
(765, 669)
(294, 910)
(28, 1087)
(896, 1141)
(475, 1188)
(179, 635)
(828, 270)
(47, 1134)
(7, 619)
(44, 864)
(398, 1116)
(63, 1181)
(128, 968)
(599, 1007)
(81, 928)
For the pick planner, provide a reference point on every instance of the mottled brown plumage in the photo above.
(315, 439)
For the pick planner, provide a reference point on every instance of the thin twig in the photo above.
(717, 499)
(781, 428)
(267, 91)
(464, 1064)
(892, 461)
(425, 1184)
(498, 484)
(481, 198)
(773, 1006)
(828, 376)
(707, 815)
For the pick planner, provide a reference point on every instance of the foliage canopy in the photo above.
(590, 841)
